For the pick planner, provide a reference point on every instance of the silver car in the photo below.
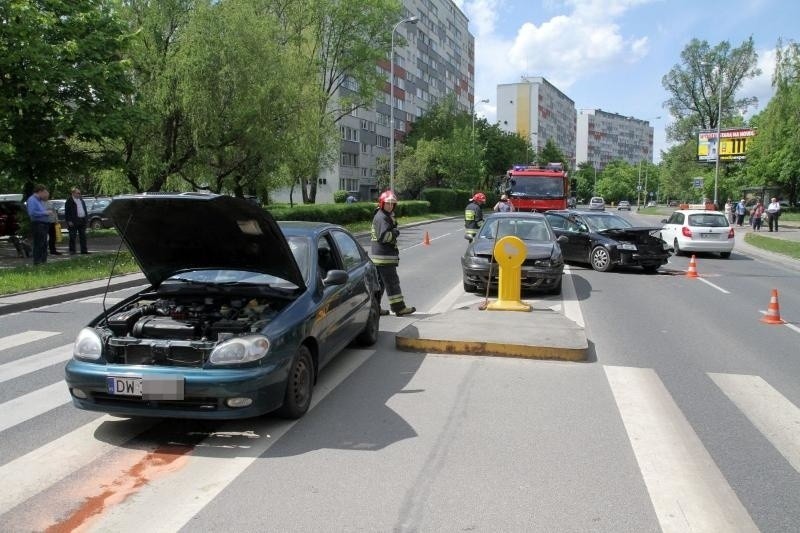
(597, 203)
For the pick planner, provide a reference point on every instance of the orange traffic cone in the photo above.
(427, 240)
(773, 315)
(692, 272)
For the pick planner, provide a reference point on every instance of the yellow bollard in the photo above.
(510, 253)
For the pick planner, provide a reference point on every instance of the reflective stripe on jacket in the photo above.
(383, 249)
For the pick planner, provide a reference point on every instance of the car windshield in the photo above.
(537, 187)
(527, 229)
(604, 222)
(708, 220)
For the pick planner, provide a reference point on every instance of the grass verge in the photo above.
(97, 266)
(788, 248)
(64, 272)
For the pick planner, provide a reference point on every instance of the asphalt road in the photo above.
(685, 418)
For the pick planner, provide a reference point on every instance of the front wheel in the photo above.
(299, 385)
(96, 224)
(600, 259)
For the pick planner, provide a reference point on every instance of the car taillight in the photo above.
(686, 232)
(730, 234)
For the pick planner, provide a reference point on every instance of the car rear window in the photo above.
(704, 220)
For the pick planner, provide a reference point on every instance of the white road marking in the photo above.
(776, 418)
(446, 303)
(688, 491)
(20, 367)
(788, 325)
(432, 239)
(720, 289)
(569, 299)
(39, 469)
(18, 339)
(162, 505)
(23, 408)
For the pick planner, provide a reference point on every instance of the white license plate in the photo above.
(119, 386)
(708, 235)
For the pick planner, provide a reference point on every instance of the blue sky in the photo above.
(612, 54)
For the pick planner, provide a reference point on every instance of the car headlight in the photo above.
(240, 350)
(88, 345)
(478, 260)
(626, 246)
(543, 263)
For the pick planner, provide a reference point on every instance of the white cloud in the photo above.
(564, 49)
(760, 86)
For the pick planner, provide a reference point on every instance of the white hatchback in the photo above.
(597, 203)
(693, 230)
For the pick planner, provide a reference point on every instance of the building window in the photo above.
(349, 160)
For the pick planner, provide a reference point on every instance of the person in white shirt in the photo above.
(75, 215)
(773, 212)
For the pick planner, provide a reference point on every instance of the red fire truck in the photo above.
(537, 188)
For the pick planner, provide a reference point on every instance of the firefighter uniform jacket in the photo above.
(473, 218)
(384, 235)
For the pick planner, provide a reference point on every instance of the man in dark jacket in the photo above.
(385, 254)
(473, 215)
(75, 216)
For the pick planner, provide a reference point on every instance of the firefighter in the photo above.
(385, 254)
(473, 215)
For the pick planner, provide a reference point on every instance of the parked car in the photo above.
(240, 316)
(605, 240)
(698, 231)
(597, 203)
(624, 204)
(96, 217)
(651, 203)
(673, 203)
(543, 265)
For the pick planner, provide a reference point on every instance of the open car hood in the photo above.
(168, 233)
(632, 234)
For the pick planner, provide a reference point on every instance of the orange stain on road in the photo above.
(159, 462)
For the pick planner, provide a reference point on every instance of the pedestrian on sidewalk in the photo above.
(75, 215)
(773, 212)
(40, 221)
(741, 211)
(729, 211)
(386, 255)
(755, 216)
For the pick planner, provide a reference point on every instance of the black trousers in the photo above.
(391, 284)
(39, 234)
(79, 229)
(772, 219)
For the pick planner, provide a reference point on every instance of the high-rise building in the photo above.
(604, 137)
(536, 110)
(436, 60)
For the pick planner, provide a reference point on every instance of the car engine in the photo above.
(181, 331)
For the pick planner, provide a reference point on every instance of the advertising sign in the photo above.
(733, 146)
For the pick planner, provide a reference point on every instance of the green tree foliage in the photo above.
(694, 86)
(62, 84)
(342, 43)
(774, 156)
(618, 181)
(552, 154)
(583, 180)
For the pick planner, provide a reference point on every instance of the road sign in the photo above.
(698, 183)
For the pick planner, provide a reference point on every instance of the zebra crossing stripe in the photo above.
(687, 490)
(23, 408)
(26, 365)
(163, 506)
(776, 417)
(18, 339)
(39, 469)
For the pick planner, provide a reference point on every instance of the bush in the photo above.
(343, 213)
(340, 197)
(446, 200)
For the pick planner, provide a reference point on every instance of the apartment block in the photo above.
(536, 110)
(436, 60)
(603, 137)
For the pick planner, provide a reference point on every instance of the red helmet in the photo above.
(386, 197)
(479, 197)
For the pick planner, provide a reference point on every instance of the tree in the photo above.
(552, 154)
(618, 181)
(773, 158)
(345, 41)
(62, 83)
(584, 180)
(694, 86)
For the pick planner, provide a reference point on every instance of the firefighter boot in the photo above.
(400, 309)
(384, 312)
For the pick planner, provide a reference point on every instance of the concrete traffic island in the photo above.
(539, 334)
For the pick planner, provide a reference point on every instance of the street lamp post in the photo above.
(719, 143)
(412, 20)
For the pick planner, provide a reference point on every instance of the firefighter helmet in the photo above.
(386, 197)
(479, 197)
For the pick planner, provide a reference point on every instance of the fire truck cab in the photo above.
(537, 188)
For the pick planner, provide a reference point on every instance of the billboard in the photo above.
(733, 146)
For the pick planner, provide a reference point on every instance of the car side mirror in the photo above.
(335, 277)
(663, 220)
(562, 239)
